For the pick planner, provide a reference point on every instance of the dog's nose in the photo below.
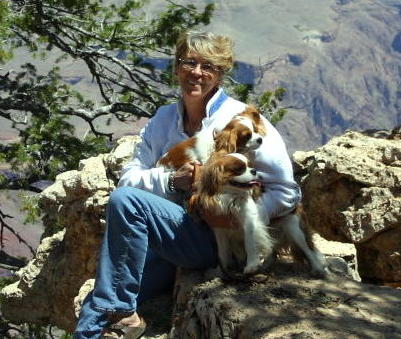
(253, 171)
(259, 140)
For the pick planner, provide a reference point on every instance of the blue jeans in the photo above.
(146, 238)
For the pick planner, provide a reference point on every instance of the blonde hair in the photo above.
(217, 49)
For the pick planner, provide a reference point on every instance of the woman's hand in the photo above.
(184, 176)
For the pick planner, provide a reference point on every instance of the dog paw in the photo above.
(319, 266)
(319, 272)
(252, 268)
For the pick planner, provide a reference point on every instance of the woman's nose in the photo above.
(197, 69)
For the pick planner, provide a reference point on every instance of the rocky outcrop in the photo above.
(352, 194)
(74, 212)
(52, 286)
(285, 305)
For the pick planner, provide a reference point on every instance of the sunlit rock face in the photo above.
(352, 194)
(74, 220)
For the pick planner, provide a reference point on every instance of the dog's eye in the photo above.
(238, 168)
(244, 136)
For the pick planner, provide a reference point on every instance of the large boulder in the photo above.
(352, 194)
(74, 220)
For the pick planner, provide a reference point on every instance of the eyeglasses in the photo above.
(206, 67)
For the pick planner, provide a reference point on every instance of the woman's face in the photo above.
(197, 77)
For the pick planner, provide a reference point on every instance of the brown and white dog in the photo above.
(228, 186)
(242, 134)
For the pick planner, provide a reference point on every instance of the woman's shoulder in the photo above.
(165, 113)
(167, 110)
(234, 105)
(227, 110)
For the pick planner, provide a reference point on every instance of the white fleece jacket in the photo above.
(166, 129)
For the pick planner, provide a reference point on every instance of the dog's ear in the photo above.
(216, 132)
(249, 111)
(232, 141)
(193, 203)
(212, 176)
(226, 141)
(252, 113)
(260, 127)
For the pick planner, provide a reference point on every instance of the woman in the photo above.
(148, 235)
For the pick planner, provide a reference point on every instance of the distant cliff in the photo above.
(340, 61)
(344, 72)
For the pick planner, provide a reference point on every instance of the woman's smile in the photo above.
(194, 81)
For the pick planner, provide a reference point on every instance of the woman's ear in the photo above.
(252, 113)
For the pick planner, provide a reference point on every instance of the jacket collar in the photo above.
(215, 102)
(212, 106)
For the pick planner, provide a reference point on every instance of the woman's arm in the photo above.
(141, 173)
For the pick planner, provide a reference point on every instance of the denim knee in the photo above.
(123, 208)
(120, 196)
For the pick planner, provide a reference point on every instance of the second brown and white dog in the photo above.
(228, 186)
(242, 134)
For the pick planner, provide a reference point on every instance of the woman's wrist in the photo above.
(171, 183)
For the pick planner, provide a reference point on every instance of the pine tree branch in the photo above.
(4, 225)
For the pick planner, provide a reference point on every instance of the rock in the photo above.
(340, 257)
(351, 194)
(316, 46)
(334, 248)
(74, 213)
(284, 302)
(10, 178)
(341, 267)
(83, 292)
(287, 305)
(40, 283)
(380, 257)
(40, 185)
